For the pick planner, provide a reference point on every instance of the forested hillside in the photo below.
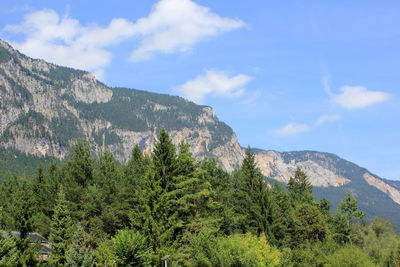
(97, 211)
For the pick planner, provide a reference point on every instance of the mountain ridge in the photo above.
(46, 108)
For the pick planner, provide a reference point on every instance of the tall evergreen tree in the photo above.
(61, 230)
(282, 215)
(254, 197)
(164, 160)
(81, 164)
(193, 198)
(300, 189)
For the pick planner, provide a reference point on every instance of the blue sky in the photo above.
(285, 75)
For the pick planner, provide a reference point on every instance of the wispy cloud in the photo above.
(172, 26)
(291, 129)
(353, 97)
(328, 118)
(325, 83)
(252, 98)
(217, 83)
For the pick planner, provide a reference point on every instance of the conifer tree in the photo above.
(193, 197)
(348, 207)
(136, 166)
(80, 166)
(61, 230)
(164, 160)
(23, 209)
(79, 252)
(300, 189)
(254, 198)
(282, 215)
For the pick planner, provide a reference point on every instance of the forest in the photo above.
(168, 207)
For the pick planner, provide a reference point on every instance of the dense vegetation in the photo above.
(95, 211)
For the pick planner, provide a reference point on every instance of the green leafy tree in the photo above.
(349, 256)
(245, 250)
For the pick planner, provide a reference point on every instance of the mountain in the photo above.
(333, 178)
(45, 108)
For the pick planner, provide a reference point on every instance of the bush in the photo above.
(130, 248)
(349, 256)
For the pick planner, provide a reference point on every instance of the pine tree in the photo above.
(348, 207)
(193, 198)
(79, 252)
(164, 161)
(80, 166)
(300, 189)
(137, 165)
(254, 197)
(309, 224)
(9, 254)
(23, 209)
(61, 230)
(282, 215)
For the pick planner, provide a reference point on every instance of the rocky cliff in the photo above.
(45, 108)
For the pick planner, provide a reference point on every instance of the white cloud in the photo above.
(216, 83)
(291, 129)
(176, 25)
(358, 97)
(328, 118)
(172, 26)
(62, 40)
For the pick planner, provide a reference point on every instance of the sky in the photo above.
(285, 75)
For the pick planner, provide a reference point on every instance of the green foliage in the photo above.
(130, 248)
(61, 230)
(309, 224)
(349, 256)
(97, 211)
(348, 207)
(9, 254)
(245, 250)
(81, 164)
(253, 202)
(19, 163)
(300, 189)
(79, 252)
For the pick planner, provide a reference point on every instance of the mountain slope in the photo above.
(333, 178)
(45, 108)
